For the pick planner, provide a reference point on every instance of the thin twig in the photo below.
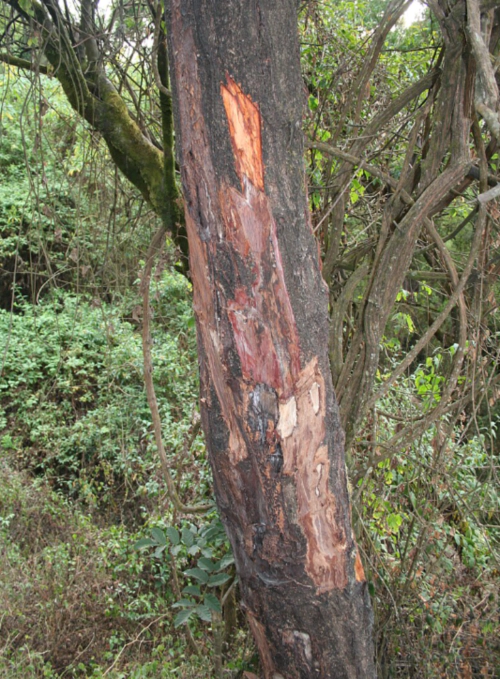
(156, 246)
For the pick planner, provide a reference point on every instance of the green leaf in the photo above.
(226, 561)
(184, 603)
(194, 590)
(187, 537)
(212, 602)
(211, 532)
(197, 573)
(27, 7)
(206, 564)
(204, 613)
(218, 579)
(173, 535)
(183, 616)
(394, 521)
(313, 102)
(144, 542)
(158, 536)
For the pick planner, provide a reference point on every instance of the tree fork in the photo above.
(268, 407)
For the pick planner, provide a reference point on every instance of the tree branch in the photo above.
(487, 93)
(154, 56)
(425, 339)
(6, 58)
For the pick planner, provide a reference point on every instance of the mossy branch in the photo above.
(93, 96)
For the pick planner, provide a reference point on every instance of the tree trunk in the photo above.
(268, 407)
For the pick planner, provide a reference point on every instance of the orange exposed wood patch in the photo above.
(243, 117)
(358, 569)
(306, 458)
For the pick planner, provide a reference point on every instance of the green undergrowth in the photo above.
(73, 594)
(81, 600)
(72, 401)
(82, 501)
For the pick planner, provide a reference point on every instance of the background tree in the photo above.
(107, 85)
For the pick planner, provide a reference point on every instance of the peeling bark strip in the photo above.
(262, 317)
(268, 408)
(305, 456)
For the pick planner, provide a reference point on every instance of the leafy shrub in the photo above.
(429, 525)
(205, 549)
(72, 400)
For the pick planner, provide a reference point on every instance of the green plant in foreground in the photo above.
(205, 550)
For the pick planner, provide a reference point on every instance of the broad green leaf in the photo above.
(144, 542)
(204, 613)
(212, 602)
(206, 564)
(197, 573)
(184, 603)
(194, 590)
(183, 616)
(173, 535)
(394, 521)
(159, 536)
(187, 537)
(211, 532)
(218, 579)
(226, 561)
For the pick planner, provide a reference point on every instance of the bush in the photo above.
(72, 399)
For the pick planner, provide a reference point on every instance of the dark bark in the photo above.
(268, 407)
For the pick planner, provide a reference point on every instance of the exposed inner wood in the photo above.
(268, 347)
(358, 569)
(243, 117)
(305, 456)
(260, 312)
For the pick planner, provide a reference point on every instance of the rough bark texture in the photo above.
(268, 407)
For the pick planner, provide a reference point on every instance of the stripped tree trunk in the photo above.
(268, 407)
